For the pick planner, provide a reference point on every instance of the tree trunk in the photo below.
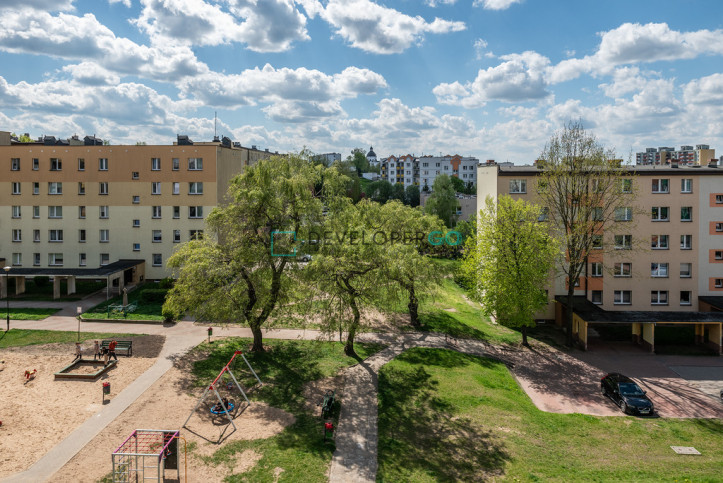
(413, 305)
(568, 325)
(349, 346)
(258, 338)
(524, 336)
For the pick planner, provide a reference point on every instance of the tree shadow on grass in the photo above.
(443, 322)
(418, 432)
(443, 358)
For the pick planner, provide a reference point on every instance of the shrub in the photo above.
(168, 315)
(166, 283)
(41, 280)
(153, 295)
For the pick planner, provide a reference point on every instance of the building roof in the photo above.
(714, 300)
(371, 152)
(101, 272)
(590, 312)
(647, 169)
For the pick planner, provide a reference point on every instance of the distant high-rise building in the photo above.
(686, 155)
(410, 170)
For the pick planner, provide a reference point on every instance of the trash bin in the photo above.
(210, 331)
(106, 388)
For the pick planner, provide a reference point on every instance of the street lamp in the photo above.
(7, 294)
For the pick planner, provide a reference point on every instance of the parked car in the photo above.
(627, 394)
(305, 257)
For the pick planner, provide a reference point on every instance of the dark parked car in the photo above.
(626, 394)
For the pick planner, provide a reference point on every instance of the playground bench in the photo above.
(121, 309)
(121, 345)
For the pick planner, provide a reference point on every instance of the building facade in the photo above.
(86, 205)
(701, 154)
(410, 170)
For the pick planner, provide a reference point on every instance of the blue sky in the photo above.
(488, 78)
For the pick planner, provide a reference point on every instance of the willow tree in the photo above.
(239, 273)
(584, 189)
(510, 261)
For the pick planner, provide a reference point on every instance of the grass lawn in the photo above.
(148, 311)
(22, 337)
(45, 292)
(31, 313)
(299, 449)
(445, 416)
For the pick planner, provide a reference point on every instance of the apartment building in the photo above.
(665, 265)
(702, 154)
(76, 206)
(410, 170)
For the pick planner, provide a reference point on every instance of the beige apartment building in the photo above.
(660, 262)
(82, 209)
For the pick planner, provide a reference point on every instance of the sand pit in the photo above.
(166, 405)
(38, 414)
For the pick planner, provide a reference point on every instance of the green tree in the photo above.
(510, 262)
(23, 138)
(397, 192)
(380, 191)
(581, 185)
(411, 196)
(235, 275)
(443, 200)
(359, 161)
(459, 185)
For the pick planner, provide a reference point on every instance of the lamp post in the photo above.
(7, 294)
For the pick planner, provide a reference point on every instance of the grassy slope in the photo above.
(460, 417)
(299, 449)
(22, 337)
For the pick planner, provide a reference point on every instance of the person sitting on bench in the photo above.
(221, 407)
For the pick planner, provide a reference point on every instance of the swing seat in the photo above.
(222, 412)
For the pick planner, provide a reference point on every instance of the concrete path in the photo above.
(355, 458)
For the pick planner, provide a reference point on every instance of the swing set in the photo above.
(225, 409)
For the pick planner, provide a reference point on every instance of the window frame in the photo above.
(623, 245)
(659, 189)
(655, 242)
(659, 269)
(58, 188)
(619, 270)
(521, 185)
(53, 259)
(689, 245)
(596, 269)
(659, 217)
(683, 185)
(157, 236)
(690, 270)
(155, 164)
(658, 294)
(102, 164)
(155, 187)
(56, 164)
(690, 213)
(195, 164)
(621, 299)
(690, 297)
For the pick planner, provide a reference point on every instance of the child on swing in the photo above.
(219, 407)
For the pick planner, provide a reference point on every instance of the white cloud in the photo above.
(50, 5)
(263, 25)
(495, 4)
(381, 30)
(91, 73)
(127, 3)
(521, 77)
(311, 7)
(480, 45)
(705, 91)
(435, 3)
(625, 80)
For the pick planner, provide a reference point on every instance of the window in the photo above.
(36, 259)
(16, 212)
(56, 164)
(623, 297)
(623, 213)
(81, 236)
(36, 166)
(597, 297)
(195, 164)
(176, 188)
(686, 185)
(686, 297)
(195, 234)
(660, 213)
(686, 213)
(104, 235)
(55, 188)
(55, 211)
(103, 164)
(659, 297)
(156, 188)
(81, 188)
(81, 212)
(175, 164)
(661, 186)
(518, 186)
(596, 269)
(195, 211)
(155, 164)
(15, 164)
(55, 236)
(103, 211)
(17, 258)
(544, 214)
(15, 188)
(55, 259)
(597, 242)
(36, 212)
(597, 214)
(17, 235)
(659, 242)
(176, 212)
(103, 188)
(36, 188)
(686, 242)
(81, 164)
(686, 270)
(136, 223)
(623, 242)
(195, 188)
(176, 236)
(136, 247)
(157, 260)
(157, 237)
(659, 270)
(104, 259)
(626, 185)
(718, 199)
(155, 212)
(135, 175)
(623, 269)
(36, 236)
(719, 227)
(82, 259)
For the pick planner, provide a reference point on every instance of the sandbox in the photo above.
(85, 370)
